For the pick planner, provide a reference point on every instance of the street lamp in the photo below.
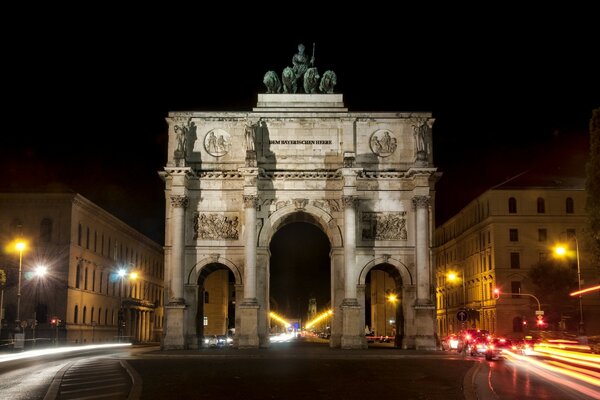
(392, 298)
(561, 251)
(20, 246)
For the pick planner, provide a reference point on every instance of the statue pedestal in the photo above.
(352, 331)
(248, 334)
(250, 158)
(174, 338)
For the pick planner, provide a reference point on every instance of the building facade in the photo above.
(494, 242)
(233, 179)
(103, 280)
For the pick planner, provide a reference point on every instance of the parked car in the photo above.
(452, 342)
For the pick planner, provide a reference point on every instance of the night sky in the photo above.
(85, 101)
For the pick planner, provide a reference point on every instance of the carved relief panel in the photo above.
(383, 226)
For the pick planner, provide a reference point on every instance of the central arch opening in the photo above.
(300, 277)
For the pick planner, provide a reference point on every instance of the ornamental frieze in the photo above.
(215, 226)
(384, 226)
(327, 205)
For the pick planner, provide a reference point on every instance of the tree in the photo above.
(553, 280)
(592, 185)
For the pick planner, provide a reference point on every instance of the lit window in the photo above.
(205, 321)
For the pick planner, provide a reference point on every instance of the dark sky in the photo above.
(87, 97)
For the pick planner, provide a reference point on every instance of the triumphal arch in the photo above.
(233, 179)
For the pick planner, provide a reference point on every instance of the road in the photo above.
(289, 370)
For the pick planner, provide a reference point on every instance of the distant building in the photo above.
(495, 240)
(83, 248)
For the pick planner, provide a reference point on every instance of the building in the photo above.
(83, 297)
(494, 241)
(233, 179)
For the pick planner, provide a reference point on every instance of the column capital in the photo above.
(421, 201)
(350, 201)
(250, 201)
(180, 201)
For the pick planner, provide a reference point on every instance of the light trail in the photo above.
(319, 318)
(58, 350)
(545, 370)
(280, 319)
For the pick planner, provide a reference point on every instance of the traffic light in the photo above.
(496, 293)
(540, 321)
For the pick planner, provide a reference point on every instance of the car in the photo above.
(452, 342)
(495, 348)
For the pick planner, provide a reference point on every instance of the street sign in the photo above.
(539, 312)
(462, 315)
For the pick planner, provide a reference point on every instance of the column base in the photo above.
(248, 334)
(425, 324)
(352, 331)
(174, 338)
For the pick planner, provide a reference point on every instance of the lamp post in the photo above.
(392, 298)
(120, 317)
(20, 246)
(561, 251)
(39, 272)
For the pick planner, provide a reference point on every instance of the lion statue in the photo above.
(271, 81)
(328, 81)
(311, 80)
(288, 77)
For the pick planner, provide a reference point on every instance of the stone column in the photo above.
(421, 204)
(349, 245)
(250, 203)
(174, 338)
(424, 307)
(352, 337)
(248, 336)
(179, 204)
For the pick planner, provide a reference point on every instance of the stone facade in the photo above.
(366, 179)
(83, 247)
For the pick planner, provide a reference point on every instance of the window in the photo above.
(541, 205)
(514, 235)
(99, 315)
(95, 241)
(85, 281)
(543, 256)
(205, 321)
(515, 287)
(205, 297)
(87, 238)
(512, 205)
(101, 278)
(569, 206)
(79, 235)
(84, 314)
(571, 234)
(78, 276)
(76, 314)
(46, 230)
(106, 317)
(515, 260)
(92, 316)
(542, 235)
(489, 261)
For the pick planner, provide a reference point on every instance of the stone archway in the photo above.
(299, 211)
(402, 288)
(194, 294)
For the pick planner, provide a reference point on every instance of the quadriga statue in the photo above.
(289, 80)
(271, 81)
(328, 81)
(311, 80)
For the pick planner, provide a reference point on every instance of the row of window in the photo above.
(152, 291)
(541, 205)
(513, 234)
(98, 320)
(137, 259)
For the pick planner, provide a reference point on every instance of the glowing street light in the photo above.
(561, 251)
(452, 277)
